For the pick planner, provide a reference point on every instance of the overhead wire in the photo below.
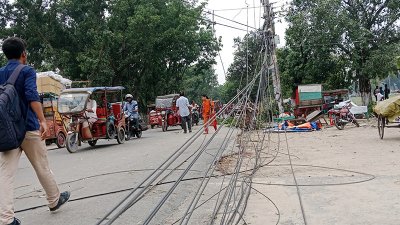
(159, 205)
(240, 195)
(168, 162)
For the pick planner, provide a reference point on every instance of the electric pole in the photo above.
(270, 48)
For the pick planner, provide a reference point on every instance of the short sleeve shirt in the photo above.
(27, 91)
(131, 108)
(183, 104)
(92, 104)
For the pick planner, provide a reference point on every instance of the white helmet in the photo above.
(128, 96)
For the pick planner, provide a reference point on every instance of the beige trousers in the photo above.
(36, 151)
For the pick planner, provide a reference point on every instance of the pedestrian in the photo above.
(183, 106)
(206, 112)
(376, 91)
(213, 115)
(33, 144)
(387, 92)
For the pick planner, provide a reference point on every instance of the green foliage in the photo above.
(3, 59)
(152, 47)
(200, 80)
(332, 40)
(246, 64)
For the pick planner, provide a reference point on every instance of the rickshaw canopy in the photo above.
(74, 100)
(91, 90)
(165, 101)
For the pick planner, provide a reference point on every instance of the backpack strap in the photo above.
(14, 76)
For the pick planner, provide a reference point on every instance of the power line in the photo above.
(216, 23)
(235, 9)
(233, 21)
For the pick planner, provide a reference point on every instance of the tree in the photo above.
(199, 80)
(145, 45)
(357, 33)
(246, 63)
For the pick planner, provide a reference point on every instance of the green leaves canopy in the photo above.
(348, 40)
(148, 46)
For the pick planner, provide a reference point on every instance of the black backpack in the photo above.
(12, 122)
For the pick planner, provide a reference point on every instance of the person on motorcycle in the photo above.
(194, 105)
(195, 113)
(131, 109)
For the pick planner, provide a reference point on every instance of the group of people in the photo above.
(35, 129)
(185, 109)
(381, 94)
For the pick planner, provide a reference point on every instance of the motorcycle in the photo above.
(195, 117)
(132, 130)
(341, 115)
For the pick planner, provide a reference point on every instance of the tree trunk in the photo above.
(365, 90)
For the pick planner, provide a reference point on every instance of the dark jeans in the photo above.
(188, 120)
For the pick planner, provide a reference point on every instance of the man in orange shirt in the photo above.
(206, 112)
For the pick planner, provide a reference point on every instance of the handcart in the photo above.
(388, 114)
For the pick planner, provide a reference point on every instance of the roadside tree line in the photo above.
(338, 43)
(152, 47)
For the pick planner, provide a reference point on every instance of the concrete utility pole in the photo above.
(270, 48)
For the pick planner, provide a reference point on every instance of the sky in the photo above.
(250, 16)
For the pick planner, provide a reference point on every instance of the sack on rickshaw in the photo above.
(389, 108)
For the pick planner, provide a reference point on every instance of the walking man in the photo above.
(183, 106)
(33, 144)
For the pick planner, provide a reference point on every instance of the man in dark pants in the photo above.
(183, 106)
(33, 144)
(387, 92)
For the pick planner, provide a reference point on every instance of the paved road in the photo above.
(109, 167)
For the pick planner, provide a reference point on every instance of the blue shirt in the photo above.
(130, 107)
(27, 91)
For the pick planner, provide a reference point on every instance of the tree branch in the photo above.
(377, 13)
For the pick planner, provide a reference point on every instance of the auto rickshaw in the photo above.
(110, 123)
(154, 116)
(168, 114)
(57, 132)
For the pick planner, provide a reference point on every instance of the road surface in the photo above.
(96, 177)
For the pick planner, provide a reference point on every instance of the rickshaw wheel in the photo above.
(110, 129)
(72, 143)
(92, 143)
(60, 141)
(121, 135)
(381, 126)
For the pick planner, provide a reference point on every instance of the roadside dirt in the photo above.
(344, 177)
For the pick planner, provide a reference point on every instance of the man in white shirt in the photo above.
(91, 108)
(183, 106)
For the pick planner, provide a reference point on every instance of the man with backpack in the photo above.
(23, 128)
